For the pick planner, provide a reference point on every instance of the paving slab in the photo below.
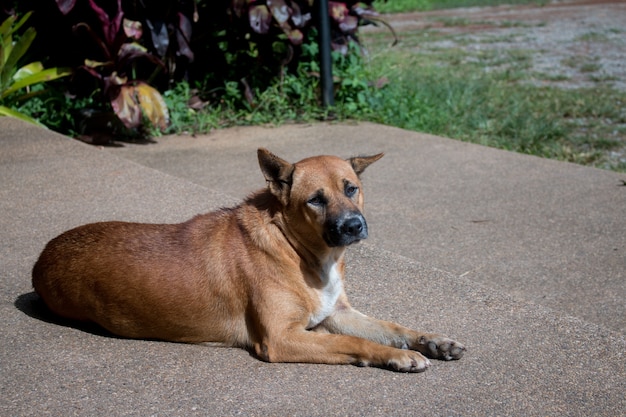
(550, 232)
(523, 359)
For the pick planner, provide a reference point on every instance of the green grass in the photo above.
(402, 6)
(471, 107)
(448, 92)
(593, 37)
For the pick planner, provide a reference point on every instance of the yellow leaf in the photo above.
(95, 64)
(140, 100)
(153, 105)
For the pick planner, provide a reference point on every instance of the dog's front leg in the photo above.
(314, 347)
(348, 321)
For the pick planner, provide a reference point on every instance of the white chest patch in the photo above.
(328, 294)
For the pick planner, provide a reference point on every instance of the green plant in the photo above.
(401, 6)
(117, 62)
(290, 96)
(13, 77)
(229, 50)
(51, 107)
(188, 114)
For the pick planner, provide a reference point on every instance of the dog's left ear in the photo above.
(359, 163)
(277, 172)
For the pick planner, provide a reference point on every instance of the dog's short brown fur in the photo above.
(266, 274)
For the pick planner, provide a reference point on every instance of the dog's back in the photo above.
(159, 281)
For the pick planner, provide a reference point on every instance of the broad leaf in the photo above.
(19, 49)
(126, 107)
(6, 111)
(260, 19)
(132, 48)
(90, 63)
(349, 24)
(6, 28)
(152, 105)
(66, 6)
(110, 27)
(183, 37)
(282, 13)
(280, 10)
(239, 6)
(134, 51)
(299, 19)
(160, 37)
(132, 29)
(338, 11)
(36, 78)
(137, 101)
(9, 26)
(26, 70)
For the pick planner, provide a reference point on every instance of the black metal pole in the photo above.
(326, 69)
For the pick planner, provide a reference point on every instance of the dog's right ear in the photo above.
(359, 163)
(278, 174)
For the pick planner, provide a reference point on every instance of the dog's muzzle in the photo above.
(344, 230)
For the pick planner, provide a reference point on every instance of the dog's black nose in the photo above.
(342, 231)
(353, 227)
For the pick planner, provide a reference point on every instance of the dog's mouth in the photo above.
(345, 230)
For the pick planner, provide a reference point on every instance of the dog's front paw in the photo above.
(408, 361)
(440, 347)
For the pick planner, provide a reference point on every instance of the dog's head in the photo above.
(321, 196)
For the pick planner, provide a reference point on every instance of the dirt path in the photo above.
(573, 43)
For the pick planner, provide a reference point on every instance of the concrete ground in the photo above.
(522, 259)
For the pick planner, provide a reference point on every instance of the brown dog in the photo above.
(266, 274)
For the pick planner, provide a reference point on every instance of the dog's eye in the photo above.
(316, 201)
(351, 190)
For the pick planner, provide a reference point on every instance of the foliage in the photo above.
(237, 75)
(55, 109)
(14, 78)
(449, 93)
(117, 63)
(129, 50)
(294, 96)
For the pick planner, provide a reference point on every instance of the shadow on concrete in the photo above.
(33, 306)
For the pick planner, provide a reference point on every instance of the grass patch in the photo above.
(486, 97)
(455, 21)
(402, 6)
(481, 108)
(471, 107)
(583, 63)
(593, 37)
(590, 67)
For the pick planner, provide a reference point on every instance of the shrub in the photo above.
(129, 50)
(15, 78)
